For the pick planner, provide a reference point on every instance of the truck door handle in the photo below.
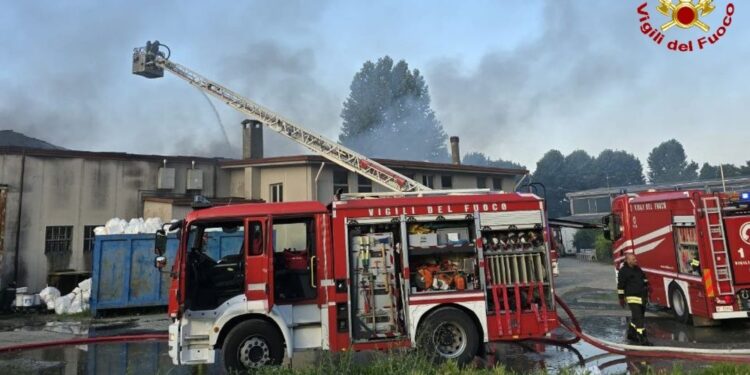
(312, 272)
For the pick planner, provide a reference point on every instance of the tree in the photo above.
(388, 114)
(667, 162)
(585, 238)
(480, 159)
(548, 172)
(603, 248)
(617, 168)
(710, 172)
(576, 171)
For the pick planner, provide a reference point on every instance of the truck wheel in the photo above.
(252, 344)
(449, 333)
(679, 304)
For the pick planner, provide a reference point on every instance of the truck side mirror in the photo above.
(160, 262)
(160, 242)
(606, 230)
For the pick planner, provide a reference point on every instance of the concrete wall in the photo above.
(161, 210)
(65, 191)
(296, 181)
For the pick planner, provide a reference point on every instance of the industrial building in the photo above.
(52, 199)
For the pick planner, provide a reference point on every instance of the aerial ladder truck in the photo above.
(448, 271)
(150, 62)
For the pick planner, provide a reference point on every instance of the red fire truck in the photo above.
(693, 246)
(447, 271)
(442, 270)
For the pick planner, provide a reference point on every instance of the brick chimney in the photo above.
(455, 153)
(252, 139)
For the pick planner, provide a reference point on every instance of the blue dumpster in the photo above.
(124, 275)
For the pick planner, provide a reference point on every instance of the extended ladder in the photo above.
(718, 245)
(149, 62)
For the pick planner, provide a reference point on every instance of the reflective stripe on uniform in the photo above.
(695, 263)
(636, 300)
(620, 291)
(639, 330)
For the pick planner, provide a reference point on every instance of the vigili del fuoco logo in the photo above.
(684, 14)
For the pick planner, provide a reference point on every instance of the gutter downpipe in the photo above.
(18, 223)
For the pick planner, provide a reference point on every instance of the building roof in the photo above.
(9, 138)
(188, 201)
(732, 184)
(62, 153)
(271, 161)
(581, 221)
(391, 163)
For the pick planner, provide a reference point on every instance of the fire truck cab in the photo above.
(693, 246)
(443, 272)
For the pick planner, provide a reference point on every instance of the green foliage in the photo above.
(480, 159)
(585, 238)
(603, 248)
(576, 171)
(617, 168)
(413, 363)
(388, 114)
(667, 162)
(580, 171)
(713, 172)
(549, 172)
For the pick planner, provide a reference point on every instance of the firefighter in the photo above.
(695, 265)
(632, 289)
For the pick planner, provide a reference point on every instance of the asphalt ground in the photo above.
(588, 287)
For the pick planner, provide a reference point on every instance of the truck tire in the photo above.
(449, 334)
(252, 344)
(679, 304)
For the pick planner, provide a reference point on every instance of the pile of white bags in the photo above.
(121, 226)
(72, 303)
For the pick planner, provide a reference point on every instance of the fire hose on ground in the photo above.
(86, 340)
(727, 355)
(669, 352)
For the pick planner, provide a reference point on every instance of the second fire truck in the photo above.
(693, 246)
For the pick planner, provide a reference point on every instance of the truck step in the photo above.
(196, 338)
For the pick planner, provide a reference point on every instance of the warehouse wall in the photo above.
(77, 192)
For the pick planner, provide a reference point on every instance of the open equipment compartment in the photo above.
(376, 283)
(442, 254)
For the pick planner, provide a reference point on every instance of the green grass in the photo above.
(413, 363)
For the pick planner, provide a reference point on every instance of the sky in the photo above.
(511, 79)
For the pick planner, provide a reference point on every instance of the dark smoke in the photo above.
(72, 84)
(588, 80)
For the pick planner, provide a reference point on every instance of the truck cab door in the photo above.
(259, 262)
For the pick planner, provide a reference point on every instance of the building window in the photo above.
(429, 181)
(58, 239)
(446, 182)
(497, 183)
(364, 184)
(277, 192)
(591, 205)
(88, 238)
(340, 181)
(481, 182)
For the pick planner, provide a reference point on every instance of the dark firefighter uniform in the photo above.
(695, 265)
(632, 288)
